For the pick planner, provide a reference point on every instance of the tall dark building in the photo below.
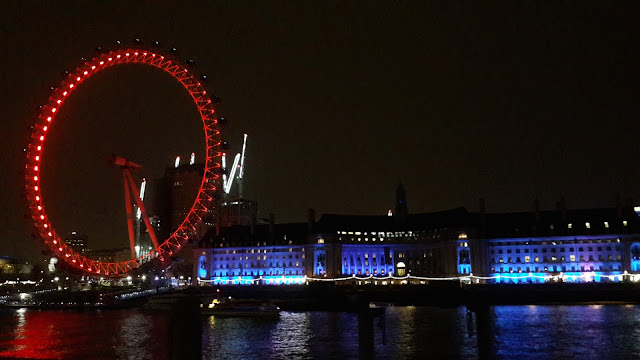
(174, 196)
(402, 211)
(238, 211)
(77, 241)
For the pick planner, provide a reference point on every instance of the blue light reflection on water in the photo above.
(403, 333)
(520, 332)
(567, 332)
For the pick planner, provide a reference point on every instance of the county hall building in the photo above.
(588, 245)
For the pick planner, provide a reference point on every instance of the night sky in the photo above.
(509, 101)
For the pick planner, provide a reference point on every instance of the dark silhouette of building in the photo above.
(76, 241)
(581, 245)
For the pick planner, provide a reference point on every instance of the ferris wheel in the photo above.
(36, 155)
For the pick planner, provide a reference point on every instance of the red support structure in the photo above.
(143, 210)
(127, 203)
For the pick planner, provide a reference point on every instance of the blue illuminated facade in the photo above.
(568, 256)
(595, 245)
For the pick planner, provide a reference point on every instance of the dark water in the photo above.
(520, 332)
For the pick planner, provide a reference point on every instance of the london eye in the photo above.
(36, 155)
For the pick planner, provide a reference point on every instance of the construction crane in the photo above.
(143, 186)
(238, 166)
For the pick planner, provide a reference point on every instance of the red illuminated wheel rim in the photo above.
(46, 122)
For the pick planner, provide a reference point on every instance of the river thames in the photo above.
(522, 332)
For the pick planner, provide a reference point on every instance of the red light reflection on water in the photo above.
(33, 334)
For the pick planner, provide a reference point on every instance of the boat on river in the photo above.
(233, 307)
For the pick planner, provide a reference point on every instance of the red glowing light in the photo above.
(212, 138)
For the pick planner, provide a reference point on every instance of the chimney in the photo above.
(272, 225)
(536, 209)
(628, 205)
(563, 209)
(483, 218)
(311, 218)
